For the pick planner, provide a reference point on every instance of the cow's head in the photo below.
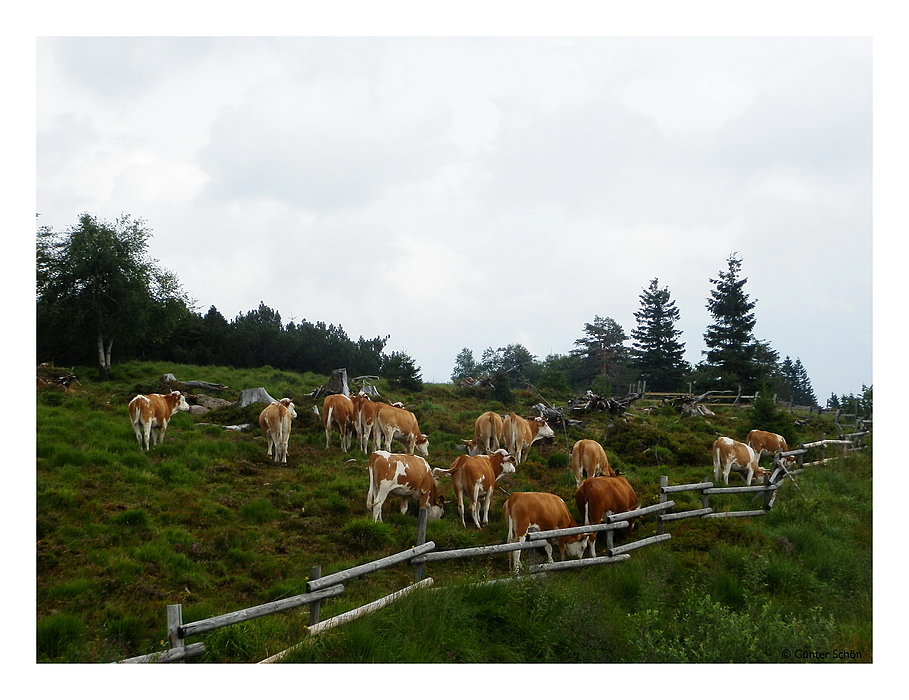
(289, 405)
(575, 545)
(544, 429)
(180, 404)
(507, 463)
(471, 447)
(436, 509)
(422, 445)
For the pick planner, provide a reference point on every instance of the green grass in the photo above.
(206, 519)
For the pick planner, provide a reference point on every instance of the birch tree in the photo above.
(97, 286)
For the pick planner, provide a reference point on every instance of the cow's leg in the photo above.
(487, 501)
(548, 548)
(475, 503)
(461, 505)
(137, 429)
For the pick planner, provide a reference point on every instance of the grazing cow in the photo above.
(520, 434)
(408, 476)
(338, 413)
(545, 511)
(150, 415)
(487, 434)
(731, 455)
(599, 494)
(393, 422)
(274, 420)
(588, 458)
(763, 443)
(476, 476)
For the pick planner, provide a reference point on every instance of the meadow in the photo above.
(207, 520)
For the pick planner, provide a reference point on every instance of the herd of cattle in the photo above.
(499, 445)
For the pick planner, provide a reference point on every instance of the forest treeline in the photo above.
(100, 295)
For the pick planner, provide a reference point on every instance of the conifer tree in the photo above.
(656, 350)
(732, 348)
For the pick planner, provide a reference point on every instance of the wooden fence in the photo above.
(319, 588)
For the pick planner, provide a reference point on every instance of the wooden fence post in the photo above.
(421, 539)
(314, 607)
(174, 623)
(768, 495)
(664, 482)
(609, 537)
(704, 497)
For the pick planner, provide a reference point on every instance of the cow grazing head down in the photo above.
(405, 475)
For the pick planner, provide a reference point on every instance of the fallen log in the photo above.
(169, 381)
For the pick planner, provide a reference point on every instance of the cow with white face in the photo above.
(731, 455)
(399, 423)
(763, 442)
(275, 420)
(475, 477)
(405, 475)
(150, 415)
(544, 511)
(520, 433)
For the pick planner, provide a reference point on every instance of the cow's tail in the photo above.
(371, 494)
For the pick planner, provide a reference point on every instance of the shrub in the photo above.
(365, 535)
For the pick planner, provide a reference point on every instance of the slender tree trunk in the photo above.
(104, 358)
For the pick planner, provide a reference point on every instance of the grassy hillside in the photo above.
(207, 520)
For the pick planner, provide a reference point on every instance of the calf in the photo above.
(520, 434)
(151, 414)
(544, 511)
(588, 458)
(275, 420)
(763, 443)
(338, 413)
(599, 494)
(476, 477)
(393, 422)
(408, 476)
(731, 455)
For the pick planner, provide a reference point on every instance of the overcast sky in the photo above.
(477, 192)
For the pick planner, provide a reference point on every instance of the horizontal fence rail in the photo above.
(347, 574)
(233, 618)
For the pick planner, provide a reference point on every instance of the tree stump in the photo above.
(248, 396)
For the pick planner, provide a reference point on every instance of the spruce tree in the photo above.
(601, 352)
(731, 344)
(656, 350)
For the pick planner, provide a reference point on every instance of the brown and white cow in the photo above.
(763, 443)
(520, 434)
(338, 414)
(151, 414)
(599, 494)
(475, 477)
(588, 458)
(487, 434)
(365, 410)
(393, 422)
(405, 475)
(732, 455)
(544, 511)
(275, 420)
